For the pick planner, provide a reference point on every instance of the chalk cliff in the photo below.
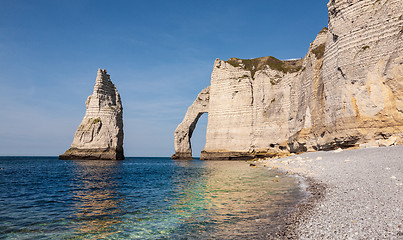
(346, 92)
(100, 134)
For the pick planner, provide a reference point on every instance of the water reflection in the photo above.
(190, 181)
(141, 198)
(98, 204)
(232, 200)
(167, 199)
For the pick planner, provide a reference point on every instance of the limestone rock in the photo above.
(249, 108)
(346, 92)
(184, 131)
(387, 142)
(362, 77)
(100, 134)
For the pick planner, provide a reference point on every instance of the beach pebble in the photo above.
(338, 150)
(359, 201)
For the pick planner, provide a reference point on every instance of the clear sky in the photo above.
(159, 54)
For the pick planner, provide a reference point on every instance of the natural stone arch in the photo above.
(183, 133)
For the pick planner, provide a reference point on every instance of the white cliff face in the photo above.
(346, 92)
(100, 134)
(362, 71)
(307, 99)
(249, 108)
(230, 112)
(248, 99)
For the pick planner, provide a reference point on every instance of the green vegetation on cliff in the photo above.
(256, 64)
(319, 51)
(324, 30)
(96, 120)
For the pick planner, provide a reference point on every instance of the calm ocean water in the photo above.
(140, 198)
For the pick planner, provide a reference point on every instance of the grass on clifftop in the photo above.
(256, 64)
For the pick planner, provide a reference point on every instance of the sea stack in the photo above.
(346, 93)
(100, 134)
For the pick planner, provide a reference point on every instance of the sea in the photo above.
(142, 198)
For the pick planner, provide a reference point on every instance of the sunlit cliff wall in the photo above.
(346, 92)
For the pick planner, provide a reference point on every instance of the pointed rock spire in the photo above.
(100, 134)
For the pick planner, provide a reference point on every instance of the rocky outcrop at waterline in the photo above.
(346, 92)
(100, 134)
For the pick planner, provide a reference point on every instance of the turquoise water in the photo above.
(140, 198)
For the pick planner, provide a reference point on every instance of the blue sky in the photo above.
(159, 55)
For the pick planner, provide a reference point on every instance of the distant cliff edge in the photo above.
(100, 134)
(346, 92)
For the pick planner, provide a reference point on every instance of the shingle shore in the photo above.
(357, 194)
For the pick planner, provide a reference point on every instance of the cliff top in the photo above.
(256, 64)
(286, 66)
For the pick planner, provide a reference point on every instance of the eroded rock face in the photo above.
(100, 134)
(346, 92)
(249, 108)
(362, 77)
(184, 131)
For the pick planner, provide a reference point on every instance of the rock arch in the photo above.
(183, 133)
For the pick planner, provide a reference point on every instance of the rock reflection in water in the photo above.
(98, 205)
(232, 200)
(140, 198)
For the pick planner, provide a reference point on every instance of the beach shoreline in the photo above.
(303, 210)
(354, 194)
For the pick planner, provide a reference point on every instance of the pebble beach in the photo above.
(354, 194)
